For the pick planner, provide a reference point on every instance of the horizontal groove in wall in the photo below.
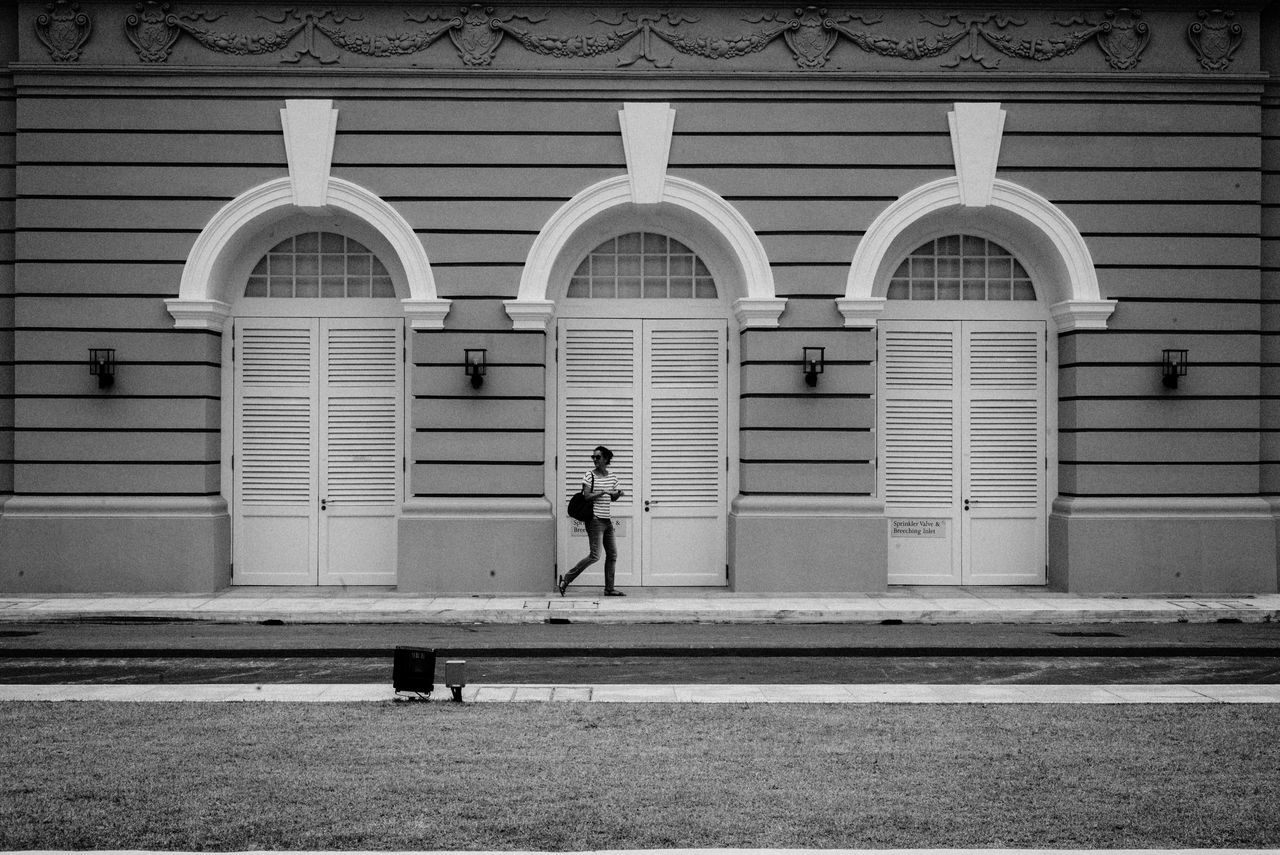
(1162, 429)
(479, 495)
(1152, 363)
(1171, 396)
(791, 493)
(1194, 301)
(803, 430)
(478, 331)
(847, 363)
(788, 396)
(121, 494)
(1153, 266)
(786, 330)
(114, 430)
(121, 462)
(173, 262)
(1171, 463)
(99, 197)
(478, 430)
(478, 397)
(429, 461)
(1135, 494)
(1120, 333)
(134, 362)
(116, 396)
(490, 364)
(90, 295)
(800, 462)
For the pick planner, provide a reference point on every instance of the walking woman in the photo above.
(601, 490)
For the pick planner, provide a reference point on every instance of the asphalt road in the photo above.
(199, 652)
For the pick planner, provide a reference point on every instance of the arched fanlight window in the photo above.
(642, 265)
(961, 267)
(319, 264)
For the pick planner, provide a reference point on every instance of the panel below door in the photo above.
(275, 549)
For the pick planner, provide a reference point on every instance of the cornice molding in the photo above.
(930, 82)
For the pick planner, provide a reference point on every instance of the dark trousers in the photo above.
(598, 531)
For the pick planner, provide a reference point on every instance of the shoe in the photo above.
(613, 592)
(561, 584)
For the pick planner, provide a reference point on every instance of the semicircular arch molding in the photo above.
(1070, 286)
(203, 300)
(756, 304)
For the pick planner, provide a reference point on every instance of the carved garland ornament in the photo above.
(477, 33)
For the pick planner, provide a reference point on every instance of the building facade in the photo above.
(863, 296)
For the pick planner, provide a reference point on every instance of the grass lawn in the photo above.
(589, 776)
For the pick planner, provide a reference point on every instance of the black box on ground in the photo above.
(414, 670)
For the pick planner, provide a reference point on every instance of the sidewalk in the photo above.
(923, 605)
(612, 693)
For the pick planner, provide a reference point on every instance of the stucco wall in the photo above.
(126, 152)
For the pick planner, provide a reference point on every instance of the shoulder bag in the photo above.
(579, 507)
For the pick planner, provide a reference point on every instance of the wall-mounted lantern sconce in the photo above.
(1174, 365)
(102, 364)
(476, 362)
(815, 362)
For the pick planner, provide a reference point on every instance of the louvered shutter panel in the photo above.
(361, 421)
(277, 420)
(919, 413)
(1005, 416)
(600, 400)
(361, 458)
(685, 413)
(275, 448)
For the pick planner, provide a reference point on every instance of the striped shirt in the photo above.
(607, 483)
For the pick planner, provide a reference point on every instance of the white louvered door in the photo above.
(600, 397)
(360, 459)
(962, 463)
(277, 379)
(920, 456)
(1004, 425)
(317, 450)
(683, 503)
(653, 391)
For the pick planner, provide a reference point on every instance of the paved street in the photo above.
(148, 652)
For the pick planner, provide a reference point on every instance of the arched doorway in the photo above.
(1027, 228)
(962, 418)
(642, 367)
(648, 200)
(314, 375)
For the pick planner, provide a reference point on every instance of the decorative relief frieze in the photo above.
(1123, 38)
(63, 29)
(480, 34)
(1215, 38)
(153, 31)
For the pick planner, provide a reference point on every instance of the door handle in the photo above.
(646, 506)
(966, 504)
(324, 504)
